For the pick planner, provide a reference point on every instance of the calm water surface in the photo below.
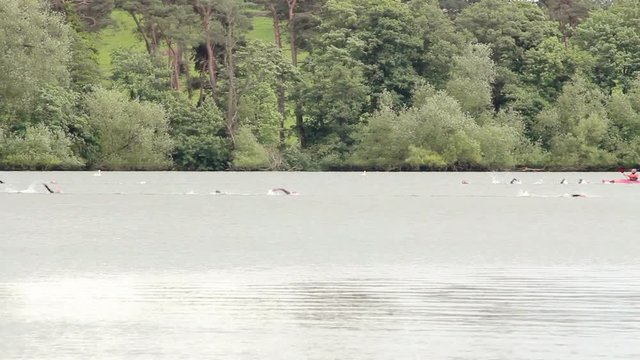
(375, 266)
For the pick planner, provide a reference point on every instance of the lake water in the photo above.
(375, 266)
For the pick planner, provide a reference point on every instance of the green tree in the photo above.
(171, 24)
(440, 41)
(83, 67)
(35, 51)
(439, 125)
(382, 143)
(568, 13)
(212, 31)
(262, 72)
(198, 134)
(93, 15)
(454, 7)
(380, 34)
(471, 77)
(57, 109)
(502, 141)
(576, 128)
(545, 70)
(230, 14)
(433, 133)
(249, 154)
(130, 135)
(509, 27)
(334, 95)
(142, 75)
(38, 148)
(623, 109)
(612, 37)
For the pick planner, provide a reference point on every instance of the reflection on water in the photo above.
(383, 266)
(469, 313)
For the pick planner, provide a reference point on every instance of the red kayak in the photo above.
(621, 181)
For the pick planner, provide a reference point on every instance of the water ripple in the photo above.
(540, 314)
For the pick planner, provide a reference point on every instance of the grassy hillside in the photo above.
(262, 29)
(123, 34)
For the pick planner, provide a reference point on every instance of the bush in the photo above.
(249, 154)
(419, 157)
(130, 135)
(197, 135)
(39, 148)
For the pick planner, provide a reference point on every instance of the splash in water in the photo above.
(36, 188)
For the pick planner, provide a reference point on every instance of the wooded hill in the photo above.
(319, 84)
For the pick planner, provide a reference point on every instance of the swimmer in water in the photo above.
(582, 181)
(564, 182)
(1, 182)
(50, 188)
(514, 181)
(465, 182)
(282, 191)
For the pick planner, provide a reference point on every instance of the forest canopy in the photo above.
(319, 84)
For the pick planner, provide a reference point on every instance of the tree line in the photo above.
(346, 84)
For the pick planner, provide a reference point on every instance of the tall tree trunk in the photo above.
(187, 73)
(212, 67)
(206, 14)
(280, 91)
(276, 23)
(300, 125)
(141, 31)
(292, 32)
(202, 97)
(232, 98)
(294, 60)
(281, 108)
(154, 40)
(174, 63)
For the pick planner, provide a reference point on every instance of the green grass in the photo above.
(262, 29)
(121, 34)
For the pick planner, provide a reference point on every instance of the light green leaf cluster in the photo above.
(38, 148)
(35, 51)
(249, 154)
(130, 134)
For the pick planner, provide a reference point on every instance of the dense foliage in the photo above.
(345, 84)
